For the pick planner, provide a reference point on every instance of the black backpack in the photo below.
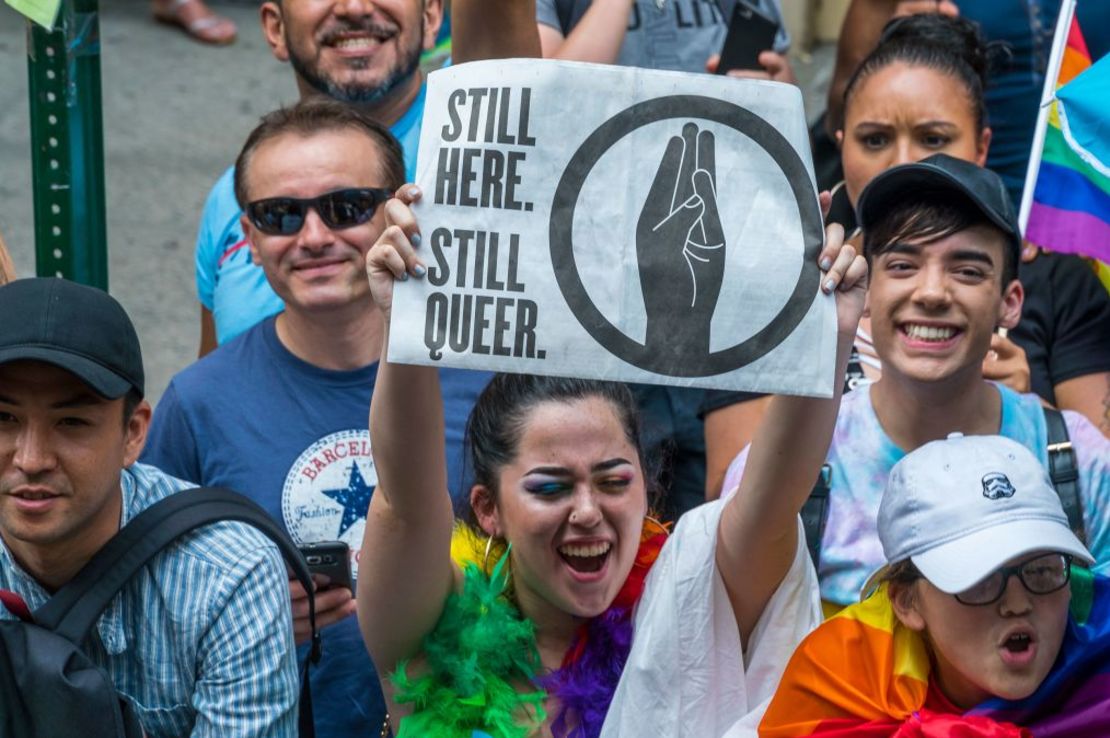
(1063, 470)
(49, 688)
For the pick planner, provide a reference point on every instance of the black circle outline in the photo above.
(566, 199)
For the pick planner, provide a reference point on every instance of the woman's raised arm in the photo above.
(405, 567)
(758, 536)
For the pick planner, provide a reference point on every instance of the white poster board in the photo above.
(617, 223)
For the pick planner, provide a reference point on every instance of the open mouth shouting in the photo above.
(586, 560)
(1018, 648)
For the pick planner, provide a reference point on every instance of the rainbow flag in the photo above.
(1066, 205)
(862, 673)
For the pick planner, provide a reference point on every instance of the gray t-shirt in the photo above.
(668, 34)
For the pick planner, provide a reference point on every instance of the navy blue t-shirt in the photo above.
(253, 417)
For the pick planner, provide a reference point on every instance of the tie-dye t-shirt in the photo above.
(862, 456)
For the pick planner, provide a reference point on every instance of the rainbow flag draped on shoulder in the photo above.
(1066, 203)
(863, 674)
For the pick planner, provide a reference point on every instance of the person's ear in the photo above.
(983, 146)
(135, 430)
(1009, 310)
(485, 508)
(839, 135)
(433, 19)
(273, 28)
(251, 235)
(903, 597)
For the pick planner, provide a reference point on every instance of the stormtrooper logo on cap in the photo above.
(996, 486)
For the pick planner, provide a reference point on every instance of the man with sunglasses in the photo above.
(279, 412)
(364, 53)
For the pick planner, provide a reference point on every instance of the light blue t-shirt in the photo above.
(862, 455)
(229, 284)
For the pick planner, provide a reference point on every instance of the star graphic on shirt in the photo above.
(354, 498)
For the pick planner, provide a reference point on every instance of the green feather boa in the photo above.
(478, 654)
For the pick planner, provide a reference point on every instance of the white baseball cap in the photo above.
(962, 507)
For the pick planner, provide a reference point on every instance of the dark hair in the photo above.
(950, 45)
(928, 218)
(319, 115)
(497, 421)
(903, 572)
(130, 401)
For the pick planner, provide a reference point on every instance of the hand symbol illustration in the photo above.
(680, 247)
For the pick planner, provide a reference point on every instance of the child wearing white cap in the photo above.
(978, 625)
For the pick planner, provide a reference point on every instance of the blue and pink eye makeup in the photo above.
(546, 486)
(545, 483)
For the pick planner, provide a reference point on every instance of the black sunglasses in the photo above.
(1042, 575)
(284, 216)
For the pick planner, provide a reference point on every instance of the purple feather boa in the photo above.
(584, 687)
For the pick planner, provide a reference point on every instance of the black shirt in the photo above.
(1065, 322)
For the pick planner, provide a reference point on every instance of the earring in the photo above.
(502, 565)
(485, 558)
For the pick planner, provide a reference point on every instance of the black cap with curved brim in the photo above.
(937, 174)
(77, 328)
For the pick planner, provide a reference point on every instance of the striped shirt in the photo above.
(201, 640)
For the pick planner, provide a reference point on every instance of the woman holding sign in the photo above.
(520, 621)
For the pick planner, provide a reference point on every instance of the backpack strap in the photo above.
(1064, 470)
(74, 609)
(815, 514)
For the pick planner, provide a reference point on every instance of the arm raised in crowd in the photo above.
(405, 565)
(493, 29)
(758, 536)
(596, 37)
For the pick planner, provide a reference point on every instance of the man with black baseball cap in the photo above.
(942, 242)
(200, 641)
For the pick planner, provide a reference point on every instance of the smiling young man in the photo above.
(279, 412)
(364, 53)
(199, 641)
(941, 237)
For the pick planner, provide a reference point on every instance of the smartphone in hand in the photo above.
(330, 558)
(750, 32)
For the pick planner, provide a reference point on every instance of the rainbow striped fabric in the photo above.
(1070, 209)
(863, 674)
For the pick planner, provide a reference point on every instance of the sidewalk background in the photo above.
(175, 115)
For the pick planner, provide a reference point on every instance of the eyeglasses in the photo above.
(284, 216)
(1042, 575)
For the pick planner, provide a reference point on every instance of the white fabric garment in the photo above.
(688, 675)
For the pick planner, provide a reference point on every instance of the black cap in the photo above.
(77, 328)
(941, 174)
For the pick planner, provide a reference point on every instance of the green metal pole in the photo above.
(67, 146)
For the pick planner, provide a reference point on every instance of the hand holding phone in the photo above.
(331, 559)
(749, 33)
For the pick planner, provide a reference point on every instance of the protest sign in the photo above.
(617, 223)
